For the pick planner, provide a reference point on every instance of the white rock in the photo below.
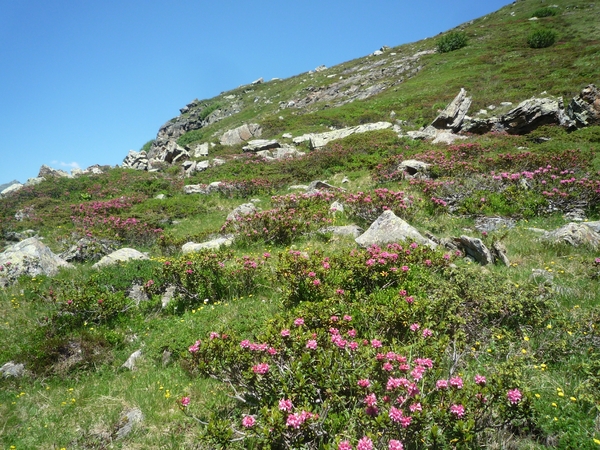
(123, 255)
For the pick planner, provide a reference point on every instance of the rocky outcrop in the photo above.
(317, 140)
(283, 152)
(584, 109)
(136, 160)
(343, 230)
(414, 168)
(29, 257)
(452, 116)
(257, 145)
(121, 255)
(390, 228)
(11, 369)
(531, 114)
(202, 188)
(49, 172)
(474, 248)
(241, 134)
(10, 189)
(243, 210)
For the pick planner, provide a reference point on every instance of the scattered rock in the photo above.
(123, 255)
(319, 185)
(166, 357)
(256, 145)
(10, 369)
(243, 210)
(202, 188)
(29, 257)
(413, 168)
(137, 294)
(241, 134)
(575, 234)
(34, 181)
(390, 228)
(199, 150)
(214, 244)
(295, 187)
(285, 151)
(489, 224)
(542, 276)
(336, 207)
(499, 253)
(128, 420)
(25, 213)
(160, 197)
(130, 363)
(168, 296)
(475, 248)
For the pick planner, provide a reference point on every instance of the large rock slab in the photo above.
(475, 248)
(11, 369)
(136, 160)
(49, 172)
(257, 145)
(202, 188)
(10, 189)
(531, 114)
(317, 140)
(575, 234)
(121, 255)
(29, 257)
(389, 228)
(243, 210)
(241, 134)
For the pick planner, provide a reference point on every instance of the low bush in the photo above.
(541, 38)
(544, 12)
(452, 41)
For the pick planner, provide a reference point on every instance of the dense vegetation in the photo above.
(297, 338)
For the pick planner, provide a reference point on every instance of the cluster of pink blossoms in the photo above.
(296, 420)
(260, 368)
(194, 348)
(514, 396)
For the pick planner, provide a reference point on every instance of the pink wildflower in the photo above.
(245, 343)
(344, 445)
(514, 396)
(185, 401)
(365, 383)
(299, 322)
(480, 380)
(457, 410)
(194, 348)
(441, 384)
(347, 318)
(311, 344)
(387, 367)
(285, 333)
(395, 414)
(248, 421)
(370, 400)
(317, 282)
(415, 327)
(260, 368)
(405, 268)
(213, 335)
(334, 318)
(352, 333)
(456, 382)
(427, 333)
(285, 405)
(395, 445)
(415, 407)
(364, 443)
(375, 343)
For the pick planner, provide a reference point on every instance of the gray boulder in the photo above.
(34, 181)
(88, 249)
(245, 209)
(121, 255)
(345, 230)
(317, 140)
(256, 145)
(487, 224)
(130, 363)
(28, 257)
(336, 207)
(452, 116)
(584, 109)
(575, 234)
(10, 189)
(202, 188)
(241, 134)
(390, 228)
(531, 114)
(10, 369)
(136, 160)
(474, 248)
(414, 167)
(199, 150)
(129, 419)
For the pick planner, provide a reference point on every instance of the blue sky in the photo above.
(82, 82)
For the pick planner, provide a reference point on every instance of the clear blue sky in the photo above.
(83, 81)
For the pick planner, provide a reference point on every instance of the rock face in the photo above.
(346, 230)
(28, 257)
(452, 116)
(128, 420)
(576, 234)
(321, 139)
(136, 160)
(531, 114)
(123, 255)
(10, 369)
(390, 228)
(10, 189)
(256, 145)
(49, 172)
(241, 134)
(202, 188)
(584, 109)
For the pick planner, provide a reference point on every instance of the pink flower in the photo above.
(415, 407)
(311, 344)
(395, 414)
(272, 351)
(334, 318)
(260, 368)
(417, 373)
(317, 282)
(387, 367)
(194, 348)
(266, 255)
(299, 322)
(410, 299)
(370, 400)
(441, 384)
(364, 444)
(285, 333)
(365, 383)
(353, 345)
(375, 343)
(404, 268)
(347, 318)
(312, 274)
(457, 410)
(415, 327)
(480, 380)
(245, 343)
(248, 421)
(213, 335)
(185, 401)
(514, 396)
(339, 291)
(428, 262)
(456, 382)
(352, 333)
(285, 405)
(344, 445)
(395, 445)
(427, 333)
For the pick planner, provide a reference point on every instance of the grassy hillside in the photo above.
(294, 337)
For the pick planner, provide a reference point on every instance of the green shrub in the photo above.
(544, 12)
(189, 137)
(147, 145)
(451, 41)
(541, 38)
